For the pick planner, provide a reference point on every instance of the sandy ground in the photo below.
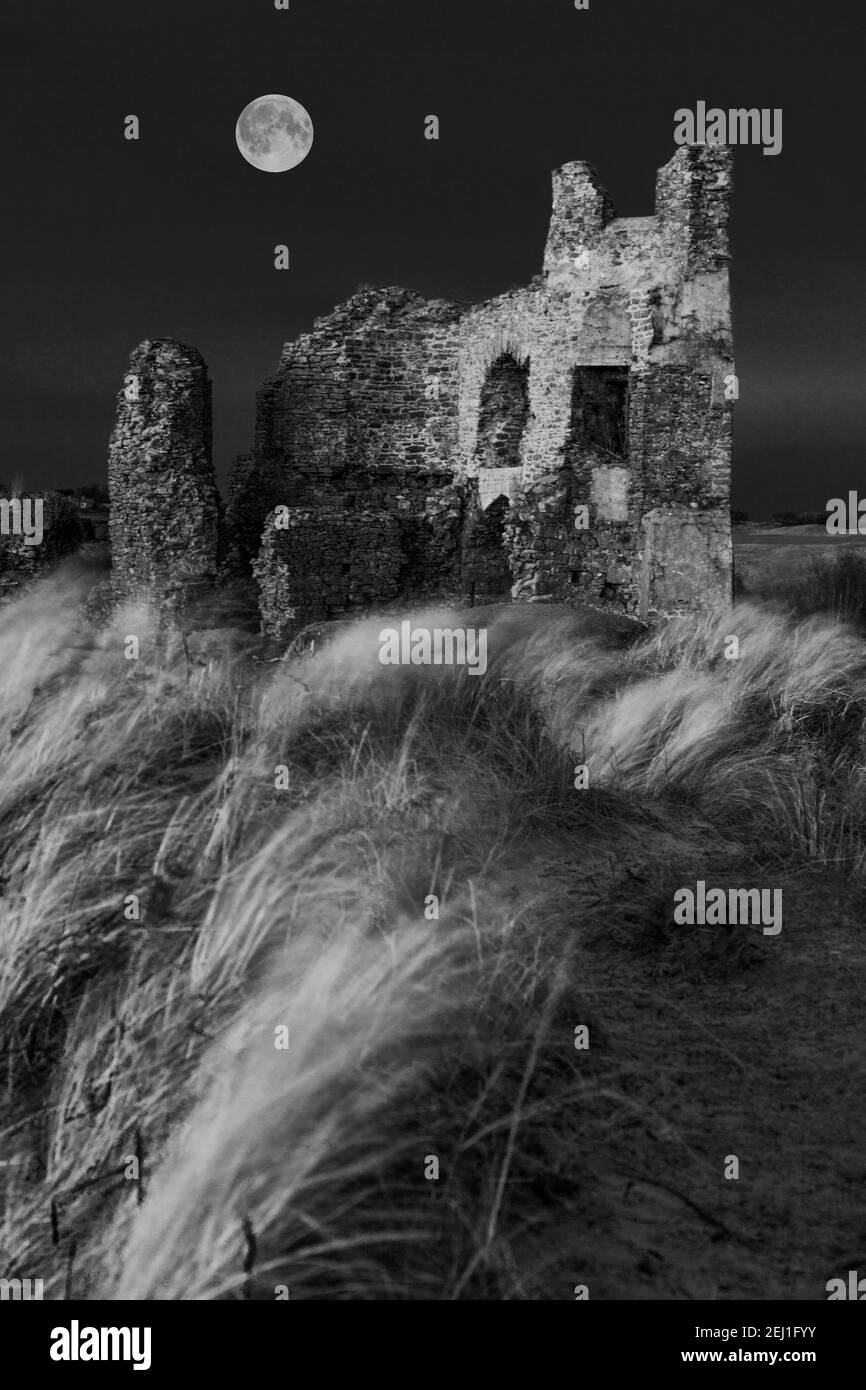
(707, 1042)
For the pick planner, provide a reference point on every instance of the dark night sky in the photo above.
(108, 241)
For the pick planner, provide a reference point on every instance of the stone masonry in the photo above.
(164, 522)
(570, 440)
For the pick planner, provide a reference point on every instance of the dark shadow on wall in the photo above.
(487, 575)
(503, 413)
(598, 427)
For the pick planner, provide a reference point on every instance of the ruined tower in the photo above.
(164, 506)
(569, 440)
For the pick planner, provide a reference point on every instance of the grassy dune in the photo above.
(410, 1039)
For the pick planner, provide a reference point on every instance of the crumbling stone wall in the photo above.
(325, 562)
(520, 444)
(165, 514)
(360, 422)
(556, 441)
(369, 393)
(428, 448)
(638, 310)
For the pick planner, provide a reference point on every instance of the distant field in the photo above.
(765, 558)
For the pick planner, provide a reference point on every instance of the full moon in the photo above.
(274, 133)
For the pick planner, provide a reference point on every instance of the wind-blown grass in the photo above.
(150, 1029)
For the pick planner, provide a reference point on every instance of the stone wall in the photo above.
(636, 310)
(360, 422)
(569, 410)
(370, 392)
(165, 512)
(325, 562)
(419, 448)
(685, 551)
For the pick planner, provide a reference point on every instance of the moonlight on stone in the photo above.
(274, 133)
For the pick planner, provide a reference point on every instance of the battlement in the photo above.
(690, 218)
(581, 210)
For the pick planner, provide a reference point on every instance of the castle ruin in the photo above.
(570, 440)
